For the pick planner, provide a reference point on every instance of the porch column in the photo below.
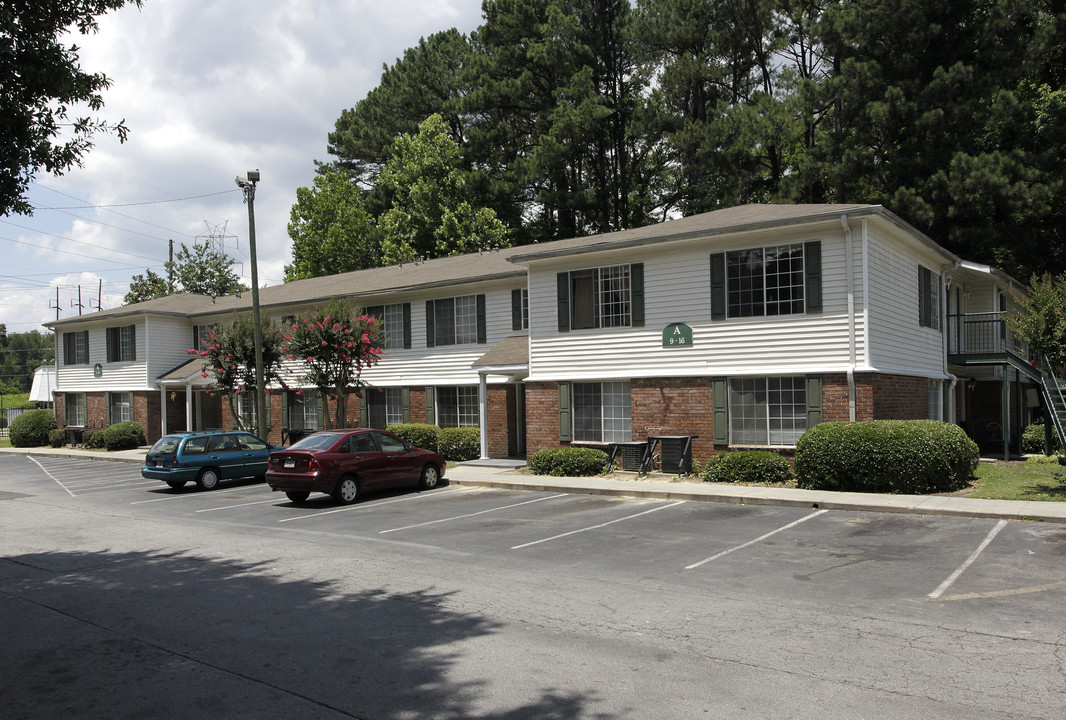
(483, 402)
(188, 407)
(1004, 405)
(163, 410)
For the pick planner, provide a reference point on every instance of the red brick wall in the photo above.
(674, 406)
(500, 419)
(898, 397)
(542, 416)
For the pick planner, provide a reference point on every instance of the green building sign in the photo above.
(677, 335)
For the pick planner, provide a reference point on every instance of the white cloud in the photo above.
(209, 90)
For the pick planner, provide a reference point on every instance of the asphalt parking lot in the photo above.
(820, 555)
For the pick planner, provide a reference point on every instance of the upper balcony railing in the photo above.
(982, 334)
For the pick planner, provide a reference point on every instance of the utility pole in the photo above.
(261, 410)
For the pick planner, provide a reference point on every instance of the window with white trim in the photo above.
(304, 410)
(246, 409)
(935, 393)
(600, 297)
(391, 322)
(119, 407)
(455, 320)
(120, 344)
(765, 281)
(76, 348)
(74, 410)
(602, 412)
(384, 406)
(458, 406)
(767, 411)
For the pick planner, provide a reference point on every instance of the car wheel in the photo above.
(430, 477)
(347, 490)
(176, 484)
(208, 479)
(297, 496)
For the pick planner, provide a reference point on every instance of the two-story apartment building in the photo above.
(741, 328)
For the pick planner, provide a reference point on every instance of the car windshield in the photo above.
(165, 445)
(318, 441)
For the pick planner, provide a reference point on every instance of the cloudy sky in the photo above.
(209, 89)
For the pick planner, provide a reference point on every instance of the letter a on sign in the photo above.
(677, 335)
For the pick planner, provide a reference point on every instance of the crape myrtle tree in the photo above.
(229, 360)
(41, 84)
(1039, 319)
(334, 344)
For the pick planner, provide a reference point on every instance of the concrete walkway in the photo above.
(503, 475)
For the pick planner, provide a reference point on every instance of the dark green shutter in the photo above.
(430, 333)
(814, 400)
(516, 309)
(196, 337)
(285, 410)
(407, 326)
(405, 400)
(112, 344)
(564, 412)
(562, 281)
(636, 285)
(320, 411)
(812, 261)
(482, 336)
(133, 342)
(364, 408)
(431, 416)
(719, 388)
(718, 286)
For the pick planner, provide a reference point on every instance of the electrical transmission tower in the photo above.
(215, 237)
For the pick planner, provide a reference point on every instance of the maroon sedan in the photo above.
(347, 463)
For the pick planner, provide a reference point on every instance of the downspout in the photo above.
(949, 411)
(851, 317)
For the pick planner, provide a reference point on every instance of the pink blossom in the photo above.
(323, 343)
(299, 392)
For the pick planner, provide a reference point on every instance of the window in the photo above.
(765, 281)
(76, 348)
(120, 344)
(201, 336)
(458, 407)
(601, 297)
(388, 443)
(767, 411)
(520, 309)
(384, 407)
(395, 322)
(602, 412)
(74, 410)
(119, 407)
(304, 410)
(455, 321)
(246, 409)
(928, 298)
(773, 280)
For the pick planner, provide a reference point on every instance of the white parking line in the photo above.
(229, 507)
(969, 561)
(58, 481)
(189, 494)
(481, 512)
(793, 524)
(406, 498)
(596, 527)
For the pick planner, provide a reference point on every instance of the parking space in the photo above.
(764, 551)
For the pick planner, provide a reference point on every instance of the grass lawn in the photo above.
(1037, 478)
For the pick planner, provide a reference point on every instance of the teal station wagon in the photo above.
(206, 458)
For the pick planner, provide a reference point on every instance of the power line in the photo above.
(146, 202)
(80, 242)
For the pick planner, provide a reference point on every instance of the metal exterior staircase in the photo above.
(1055, 401)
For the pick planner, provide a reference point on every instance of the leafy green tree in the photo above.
(229, 360)
(425, 81)
(41, 80)
(21, 354)
(334, 344)
(433, 213)
(146, 287)
(1040, 319)
(331, 230)
(203, 271)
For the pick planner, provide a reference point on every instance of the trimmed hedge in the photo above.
(120, 436)
(748, 466)
(568, 462)
(420, 435)
(459, 443)
(886, 456)
(57, 438)
(30, 429)
(1033, 438)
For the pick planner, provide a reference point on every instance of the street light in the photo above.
(247, 184)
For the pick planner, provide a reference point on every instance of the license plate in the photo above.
(158, 463)
(290, 463)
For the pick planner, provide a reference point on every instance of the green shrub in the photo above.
(887, 456)
(86, 437)
(420, 435)
(459, 443)
(120, 436)
(1033, 438)
(57, 438)
(30, 429)
(748, 466)
(568, 462)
